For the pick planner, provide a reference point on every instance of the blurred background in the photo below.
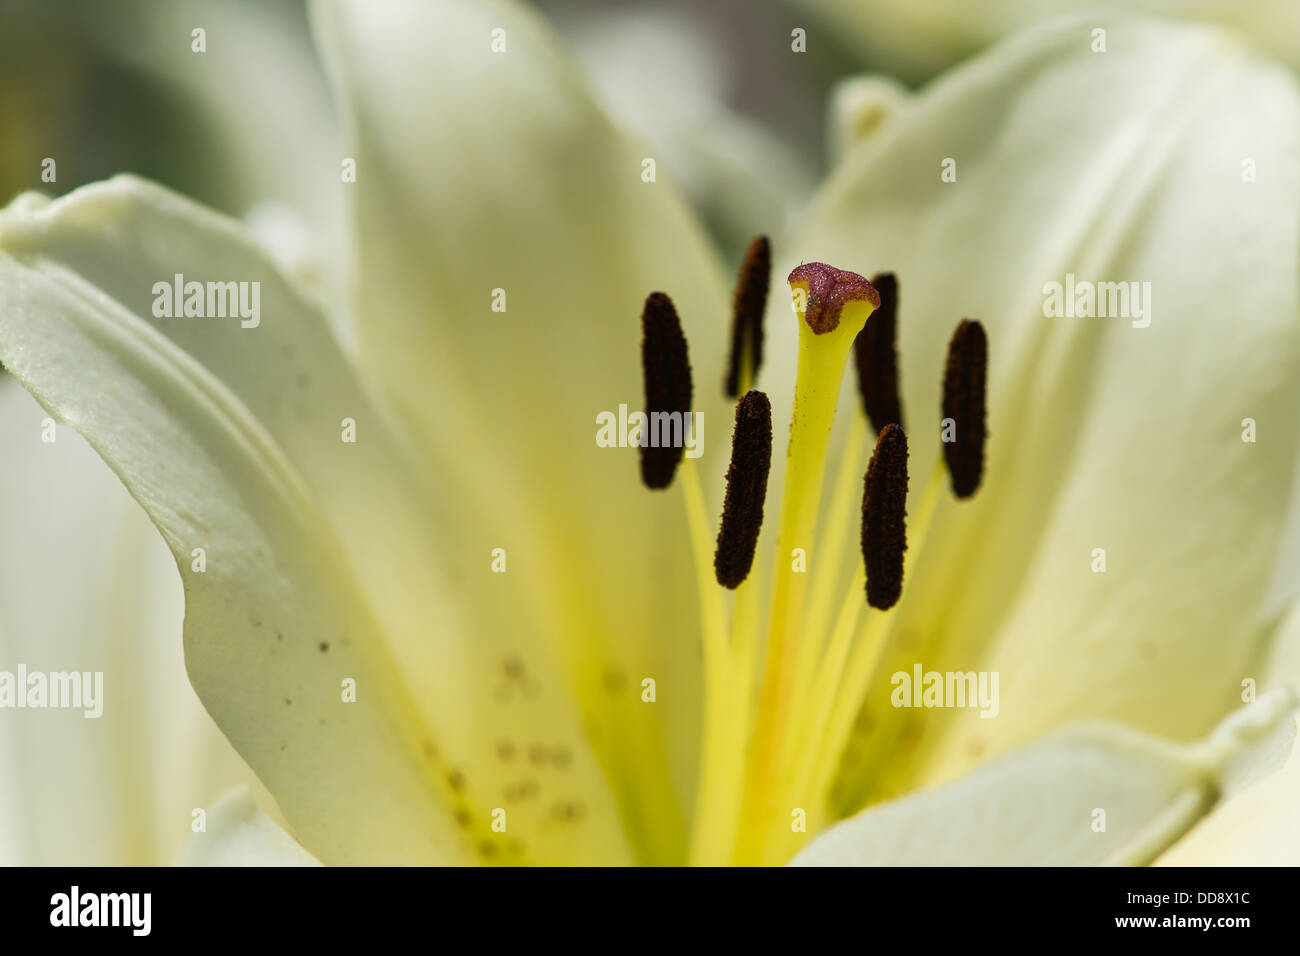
(105, 87)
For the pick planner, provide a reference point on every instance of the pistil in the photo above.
(833, 306)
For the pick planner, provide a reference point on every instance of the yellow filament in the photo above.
(848, 691)
(713, 619)
(839, 521)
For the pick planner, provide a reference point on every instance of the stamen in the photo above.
(742, 511)
(876, 358)
(748, 305)
(667, 371)
(964, 384)
(829, 290)
(884, 531)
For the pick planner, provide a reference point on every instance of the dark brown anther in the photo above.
(667, 371)
(884, 511)
(748, 305)
(964, 386)
(876, 359)
(742, 512)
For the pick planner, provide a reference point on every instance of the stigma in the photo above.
(827, 291)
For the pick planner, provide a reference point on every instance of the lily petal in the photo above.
(89, 587)
(659, 75)
(483, 175)
(479, 723)
(1090, 795)
(275, 621)
(1103, 435)
(238, 833)
(915, 41)
(1259, 826)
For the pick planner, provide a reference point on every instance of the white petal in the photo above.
(238, 833)
(479, 735)
(917, 40)
(1103, 435)
(1258, 826)
(480, 171)
(664, 76)
(87, 585)
(277, 620)
(1048, 803)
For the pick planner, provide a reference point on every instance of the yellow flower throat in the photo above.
(784, 679)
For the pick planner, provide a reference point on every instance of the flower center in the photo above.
(776, 722)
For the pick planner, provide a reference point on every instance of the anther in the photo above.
(876, 358)
(748, 305)
(884, 531)
(829, 290)
(667, 371)
(742, 510)
(964, 386)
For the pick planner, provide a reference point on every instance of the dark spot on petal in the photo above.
(615, 680)
(570, 811)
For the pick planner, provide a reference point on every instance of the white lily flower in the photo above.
(405, 702)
